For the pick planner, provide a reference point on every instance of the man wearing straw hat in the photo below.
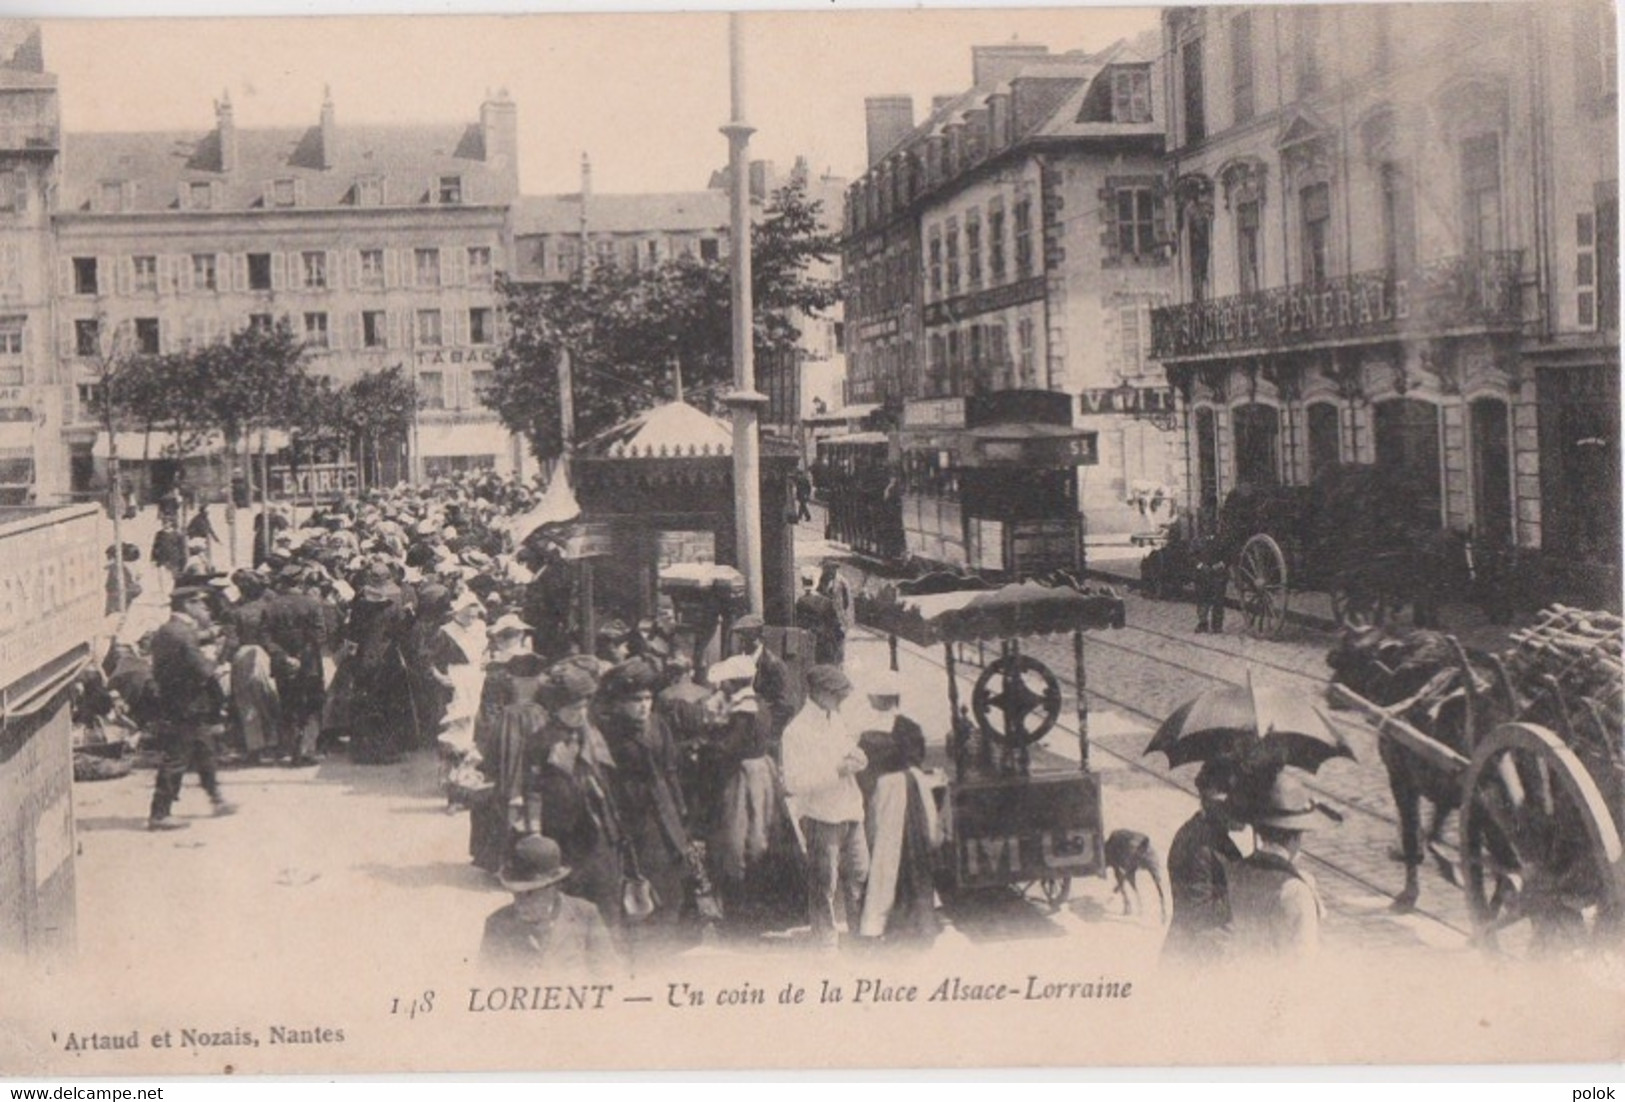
(543, 926)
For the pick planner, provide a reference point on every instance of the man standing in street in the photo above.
(191, 700)
(297, 628)
(772, 684)
(1199, 861)
(821, 764)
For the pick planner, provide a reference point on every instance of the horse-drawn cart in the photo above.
(1542, 778)
(1008, 823)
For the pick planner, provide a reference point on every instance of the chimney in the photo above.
(991, 65)
(889, 119)
(499, 128)
(329, 129)
(226, 125)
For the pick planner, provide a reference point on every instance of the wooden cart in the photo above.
(1007, 823)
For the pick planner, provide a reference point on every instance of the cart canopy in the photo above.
(977, 614)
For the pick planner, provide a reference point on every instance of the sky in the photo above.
(643, 94)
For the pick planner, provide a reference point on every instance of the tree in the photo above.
(625, 330)
(376, 406)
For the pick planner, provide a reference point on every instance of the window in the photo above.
(432, 389)
(1241, 67)
(111, 198)
(313, 266)
(369, 192)
(603, 254)
(1200, 252)
(450, 189)
(651, 253)
(90, 400)
(284, 193)
(995, 243)
(147, 336)
(481, 381)
(710, 248)
(1248, 253)
(11, 336)
(259, 271)
(1481, 193)
(1398, 222)
(316, 330)
(428, 327)
(374, 329)
(1325, 438)
(934, 251)
(566, 258)
(1258, 434)
(1608, 258)
(973, 249)
(261, 322)
(1306, 49)
(1131, 95)
(199, 195)
(1131, 321)
(1024, 238)
(951, 253)
(481, 327)
(87, 334)
(1315, 203)
(204, 273)
(426, 267)
(146, 273)
(1136, 222)
(1026, 352)
(479, 264)
(1406, 435)
(84, 275)
(1194, 96)
(372, 268)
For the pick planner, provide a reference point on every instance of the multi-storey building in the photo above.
(1397, 244)
(1017, 239)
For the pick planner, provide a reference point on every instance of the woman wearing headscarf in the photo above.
(576, 791)
(648, 797)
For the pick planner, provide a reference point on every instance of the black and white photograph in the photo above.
(939, 537)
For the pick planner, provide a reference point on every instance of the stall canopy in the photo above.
(673, 429)
(134, 445)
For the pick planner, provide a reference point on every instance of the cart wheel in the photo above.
(1057, 889)
(1542, 852)
(1028, 701)
(1260, 579)
(1358, 608)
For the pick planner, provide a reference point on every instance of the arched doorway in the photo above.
(1407, 442)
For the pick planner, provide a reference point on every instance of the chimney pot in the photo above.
(888, 119)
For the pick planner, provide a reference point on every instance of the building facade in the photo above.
(1396, 244)
(1017, 239)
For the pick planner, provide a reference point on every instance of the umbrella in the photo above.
(1268, 725)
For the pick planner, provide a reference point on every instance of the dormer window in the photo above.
(284, 193)
(110, 199)
(1131, 95)
(199, 195)
(449, 190)
(369, 191)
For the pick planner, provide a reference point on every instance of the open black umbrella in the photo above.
(1268, 725)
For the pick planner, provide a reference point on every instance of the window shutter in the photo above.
(279, 272)
(66, 344)
(392, 268)
(456, 261)
(125, 274)
(392, 330)
(183, 274)
(352, 269)
(239, 271)
(352, 331)
(64, 275)
(335, 278)
(1108, 215)
(459, 328)
(296, 271)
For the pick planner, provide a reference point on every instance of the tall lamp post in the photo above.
(743, 402)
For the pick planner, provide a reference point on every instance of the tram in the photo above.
(982, 484)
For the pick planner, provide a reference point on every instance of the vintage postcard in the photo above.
(1123, 570)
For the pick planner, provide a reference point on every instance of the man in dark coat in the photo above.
(772, 684)
(544, 931)
(168, 553)
(191, 701)
(296, 628)
(1199, 861)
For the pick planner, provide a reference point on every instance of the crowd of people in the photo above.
(676, 803)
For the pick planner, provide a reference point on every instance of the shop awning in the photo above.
(132, 446)
(474, 438)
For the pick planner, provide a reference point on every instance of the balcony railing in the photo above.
(1481, 290)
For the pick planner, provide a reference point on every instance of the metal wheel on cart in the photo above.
(1260, 579)
(1542, 852)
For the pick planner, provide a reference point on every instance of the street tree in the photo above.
(373, 407)
(626, 330)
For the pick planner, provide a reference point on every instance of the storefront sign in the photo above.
(1125, 399)
(433, 357)
(51, 590)
(315, 480)
(983, 302)
(935, 413)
